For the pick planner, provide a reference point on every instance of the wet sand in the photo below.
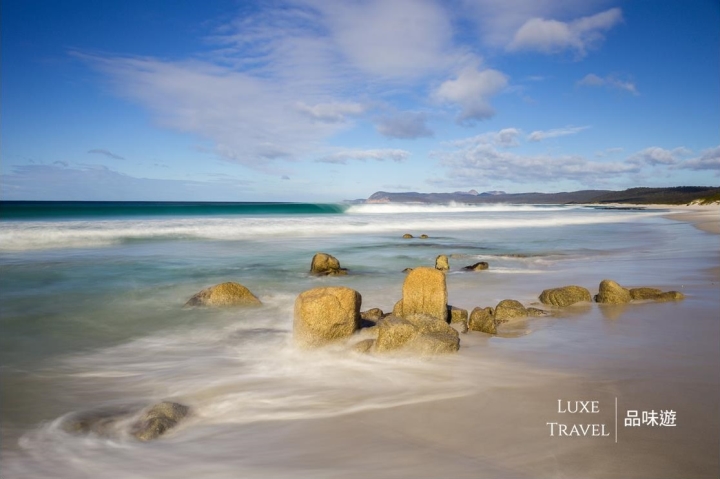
(706, 218)
(503, 431)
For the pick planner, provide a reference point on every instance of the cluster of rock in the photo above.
(486, 320)
(144, 425)
(418, 324)
(610, 292)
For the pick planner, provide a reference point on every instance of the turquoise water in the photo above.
(23, 210)
(91, 310)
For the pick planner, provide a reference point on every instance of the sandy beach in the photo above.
(99, 322)
(706, 218)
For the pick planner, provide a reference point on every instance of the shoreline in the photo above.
(703, 217)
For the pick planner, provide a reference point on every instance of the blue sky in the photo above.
(311, 100)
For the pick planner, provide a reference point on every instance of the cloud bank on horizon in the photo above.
(320, 101)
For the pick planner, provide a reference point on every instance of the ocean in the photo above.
(91, 316)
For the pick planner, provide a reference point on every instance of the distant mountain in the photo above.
(668, 196)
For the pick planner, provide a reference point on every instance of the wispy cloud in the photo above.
(109, 154)
(654, 156)
(506, 138)
(53, 182)
(477, 165)
(610, 81)
(331, 112)
(708, 160)
(544, 135)
(554, 36)
(342, 157)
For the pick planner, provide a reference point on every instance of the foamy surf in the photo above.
(376, 220)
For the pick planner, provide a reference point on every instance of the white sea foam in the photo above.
(452, 207)
(34, 235)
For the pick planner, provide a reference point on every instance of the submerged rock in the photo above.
(565, 296)
(483, 320)
(326, 314)
(158, 419)
(424, 236)
(442, 263)
(324, 264)
(482, 265)
(115, 421)
(424, 292)
(407, 270)
(104, 422)
(611, 292)
(417, 334)
(509, 309)
(537, 312)
(224, 294)
(407, 236)
(363, 346)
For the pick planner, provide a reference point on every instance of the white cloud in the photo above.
(708, 160)
(343, 156)
(498, 20)
(506, 138)
(478, 163)
(543, 135)
(331, 112)
(554, 36)
(654, 156)
(610, 81)
(406, 125)
(400, 38)
(472, 90)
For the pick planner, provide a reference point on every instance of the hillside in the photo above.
(667, 196)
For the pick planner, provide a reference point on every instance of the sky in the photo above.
(312, 100)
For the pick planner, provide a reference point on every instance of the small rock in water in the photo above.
(457, 315)
(324, 264)
(509, 309)
(363, 346)
(158, 420)
(104, 422)
(655, 294)
(612, 293)
(224, 294)
(442, 263)
(372, 315)
(407, 236)
(565, 296)
(483, 320)
(424, 236)
(482, 265)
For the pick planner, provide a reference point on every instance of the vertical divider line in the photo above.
(615, 419)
